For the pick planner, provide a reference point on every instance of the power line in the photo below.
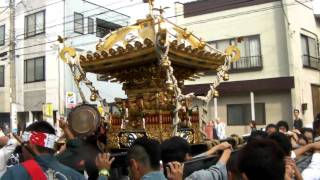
(24, 12)
(66, 31)
(206, 20)
(232, 15)
(4, 10)
(303, 4)
(236, 3)
(45, 51)
(47, 5)
(64, 23)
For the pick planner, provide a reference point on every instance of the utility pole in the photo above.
(12, 54)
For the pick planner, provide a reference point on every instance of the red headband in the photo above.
(39, 138)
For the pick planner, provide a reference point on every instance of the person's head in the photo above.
(257, 135)
(3, 141)
(144, 157)
(271, 128)
(283, 141)
(232, 167)
(302, 140)
(308, 133)
(296, 113)
(283, 126)
(263, 160)
(175, 149)
(40, 138)
(316, 126)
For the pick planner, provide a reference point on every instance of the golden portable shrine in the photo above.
(151, 59)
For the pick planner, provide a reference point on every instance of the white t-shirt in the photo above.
(312, 172)
(5, 153)
(221, 130)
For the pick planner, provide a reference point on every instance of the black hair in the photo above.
(301, 136)
(174, 149)
(146, 151)
(283, 124)
(303, 130)
(296, 110)
(272, 126)
(44, 127)
(310, 130)
(256, 135)
(283, 141)
(263, 160)
(316, 125)
(41, 126)
(232, 165)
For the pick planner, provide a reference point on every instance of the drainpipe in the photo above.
(292, 69)
(253, 112)
(215, 105)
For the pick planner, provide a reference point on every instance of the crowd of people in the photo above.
(274, 153)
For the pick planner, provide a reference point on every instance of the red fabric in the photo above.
(38, 138)
(34, 170)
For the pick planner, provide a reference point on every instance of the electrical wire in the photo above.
(234, 14)
(4, 10)
(71, 21)
(201, 21)
(47, 5)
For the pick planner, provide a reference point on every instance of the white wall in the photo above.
(55, 70)
(87, 42)
(5, 91)
(280, 44)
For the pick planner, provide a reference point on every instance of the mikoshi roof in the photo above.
(137, 45)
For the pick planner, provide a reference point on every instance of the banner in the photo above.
(13, 118)
(71, 100)
(47, 111)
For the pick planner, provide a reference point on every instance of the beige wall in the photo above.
(277, 107)
(280, 43)
(268, 24)
(301, 18)
(5, 91)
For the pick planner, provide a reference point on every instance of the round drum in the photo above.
(83, 120)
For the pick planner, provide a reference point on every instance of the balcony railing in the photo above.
(311, 62)
(249, 63)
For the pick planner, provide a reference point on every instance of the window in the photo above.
(104, 27)
(250, 53)
(2, 35)
(78, 23)
(34, 70)
(1, 76)
(309, 50)
(240, 114)
(90, 26)
(37, 116)
(35, 24)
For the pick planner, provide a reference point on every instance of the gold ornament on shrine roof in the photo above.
(119, 50)
(151, 59)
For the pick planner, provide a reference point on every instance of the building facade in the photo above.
(41, 77)
(279, 64)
